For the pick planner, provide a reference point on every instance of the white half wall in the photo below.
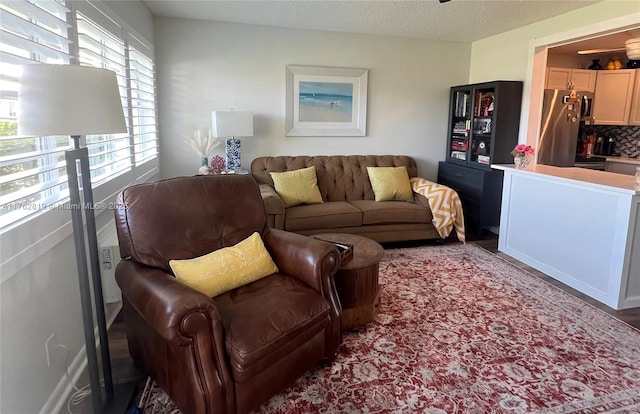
(206, 66)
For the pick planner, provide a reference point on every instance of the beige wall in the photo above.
(513, 59)
(505, 56)
(206, 66)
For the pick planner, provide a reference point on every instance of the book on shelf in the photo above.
(484, 159)
(461, 104)
(459, 155)
(458, 144)
(461, 127)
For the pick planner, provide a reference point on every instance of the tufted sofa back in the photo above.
(340, 177)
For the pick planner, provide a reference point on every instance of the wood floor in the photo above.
(124, 371)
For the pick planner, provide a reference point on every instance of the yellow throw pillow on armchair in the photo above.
(390, 183)
(297, 186)
(227, 268)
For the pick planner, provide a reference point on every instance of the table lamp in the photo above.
(232, 124)
(76, 100)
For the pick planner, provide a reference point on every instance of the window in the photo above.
(32, 169)
(108, 154)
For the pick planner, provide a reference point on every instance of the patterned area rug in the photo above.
(462, 331)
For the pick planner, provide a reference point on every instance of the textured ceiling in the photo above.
(456, 20)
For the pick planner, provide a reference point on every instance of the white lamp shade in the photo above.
(232, 123)
(69, 100)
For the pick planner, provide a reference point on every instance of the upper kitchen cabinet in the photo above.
(567, 78)
(612, 97)
(634, 118)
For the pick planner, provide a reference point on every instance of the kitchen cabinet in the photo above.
(634, 118)
(612, 97)
(567, 78)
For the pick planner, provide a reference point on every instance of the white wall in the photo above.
(206, 66)
(39, 293)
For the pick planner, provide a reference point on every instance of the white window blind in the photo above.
(143, 105)
(109, 154)
(32, 171)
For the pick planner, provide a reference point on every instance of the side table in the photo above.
(357, 279)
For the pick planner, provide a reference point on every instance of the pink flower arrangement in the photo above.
(217, 164)
(522, 150)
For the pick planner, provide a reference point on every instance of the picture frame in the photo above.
(326, 101)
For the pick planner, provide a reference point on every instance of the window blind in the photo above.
(32, 171)
(143, 103)
(109, 154)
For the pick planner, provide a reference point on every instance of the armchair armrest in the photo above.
(308, 259)
(273, 205)
(162, 301)
(314, 262)
(176, 325)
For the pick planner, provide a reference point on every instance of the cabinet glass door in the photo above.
(460, 125)
(482, 128)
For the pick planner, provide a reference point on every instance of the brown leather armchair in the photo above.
(230, 353)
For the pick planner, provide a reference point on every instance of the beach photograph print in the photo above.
(325, 102)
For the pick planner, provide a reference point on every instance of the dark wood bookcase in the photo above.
(484, 120)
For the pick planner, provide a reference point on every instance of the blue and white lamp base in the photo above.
(232, 153)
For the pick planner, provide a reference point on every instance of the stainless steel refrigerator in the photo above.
(562, 112)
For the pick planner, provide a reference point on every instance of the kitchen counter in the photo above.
(579, 226)
(599, 179)
(626, 160)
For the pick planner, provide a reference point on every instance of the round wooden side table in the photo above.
(357, 279)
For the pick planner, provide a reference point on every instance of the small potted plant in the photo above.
(203, 145)
(522, 154)
(217, 164)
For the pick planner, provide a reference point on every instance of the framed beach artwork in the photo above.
(324, 101)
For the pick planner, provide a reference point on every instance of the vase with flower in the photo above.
(203, 145)
(522, 155)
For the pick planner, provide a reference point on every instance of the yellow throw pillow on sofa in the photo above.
(297, 186)
(390, 183)
(227, 268)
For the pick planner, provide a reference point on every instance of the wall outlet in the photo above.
(48, 346)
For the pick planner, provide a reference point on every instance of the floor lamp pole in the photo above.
(78, 206)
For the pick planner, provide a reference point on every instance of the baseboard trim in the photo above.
(57, 400)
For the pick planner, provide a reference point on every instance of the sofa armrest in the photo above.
(420, 200)
(273, 205)
(314, 262)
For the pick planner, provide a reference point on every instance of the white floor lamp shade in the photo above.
(69, 100)
(77, 100)
(232, 124)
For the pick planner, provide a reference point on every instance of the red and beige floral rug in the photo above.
(462, 331)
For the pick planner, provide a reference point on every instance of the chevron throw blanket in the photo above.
(445, 206)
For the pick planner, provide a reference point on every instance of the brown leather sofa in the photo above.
(230, 353)
(349, 202)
